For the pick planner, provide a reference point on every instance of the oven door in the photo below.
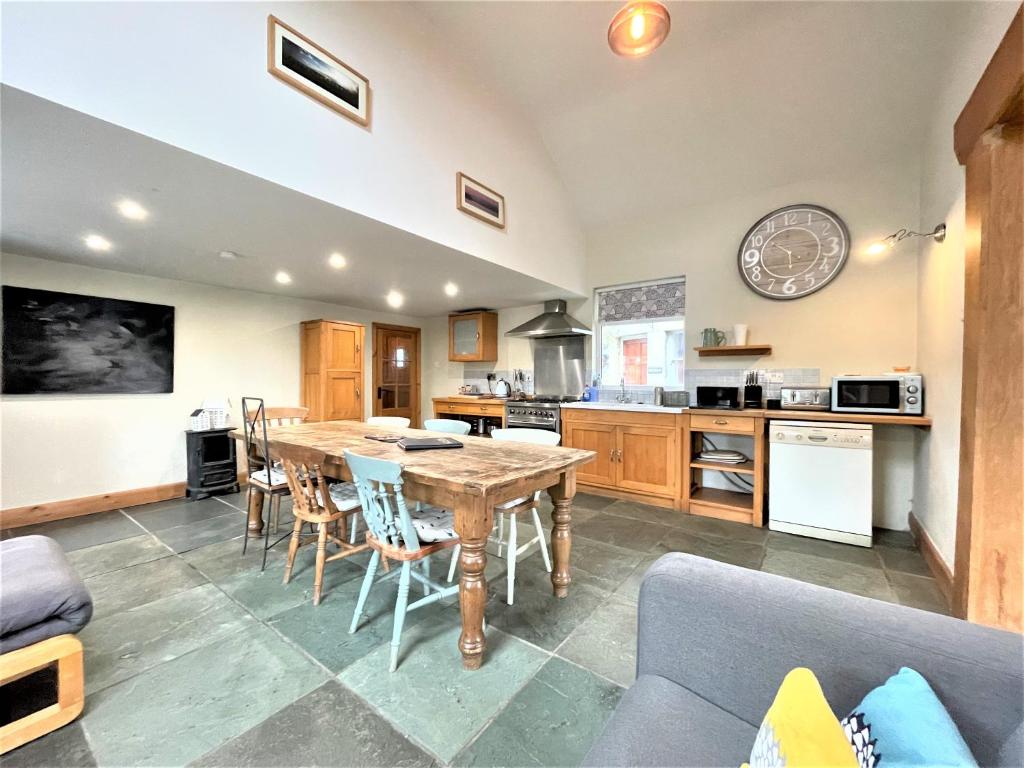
(881, 395)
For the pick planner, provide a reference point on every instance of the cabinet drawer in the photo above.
(471, 409)
(743, 425)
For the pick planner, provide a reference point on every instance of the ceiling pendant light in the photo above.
(638, 29)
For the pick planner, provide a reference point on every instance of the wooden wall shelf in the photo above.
(747, 350)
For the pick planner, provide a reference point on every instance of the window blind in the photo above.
(651, 301)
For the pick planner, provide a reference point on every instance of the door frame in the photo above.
(417, 367)
(989, 565)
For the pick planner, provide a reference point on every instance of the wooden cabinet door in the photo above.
(473, 337)
(343, 396)
(599, 438)
(647, 459)
(344, 347)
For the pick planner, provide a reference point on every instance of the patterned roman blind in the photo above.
(651, 301)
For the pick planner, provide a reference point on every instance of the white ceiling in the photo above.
(63, 172)
(743, 95)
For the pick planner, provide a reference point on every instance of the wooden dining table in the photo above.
(470, 480)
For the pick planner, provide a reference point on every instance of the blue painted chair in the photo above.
(453, 426)
(400, 535)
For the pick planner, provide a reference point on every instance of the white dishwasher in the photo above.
(819, 480)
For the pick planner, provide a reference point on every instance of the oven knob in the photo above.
(911, 400)
(912, 389)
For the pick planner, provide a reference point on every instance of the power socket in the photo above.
(491, 377)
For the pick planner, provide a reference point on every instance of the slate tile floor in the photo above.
(195, 657)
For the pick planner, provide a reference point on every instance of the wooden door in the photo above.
(647, 460)
(988, 578)
(599, 438)
(396, 372)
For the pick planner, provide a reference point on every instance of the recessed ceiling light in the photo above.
(283, 277)
(97, 243)
(132, 210)
(639, 28)
(451, 289)
(229, 255)
(336, 260)
(395, 299)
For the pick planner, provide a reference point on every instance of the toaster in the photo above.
(806, 398)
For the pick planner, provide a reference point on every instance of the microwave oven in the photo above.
(897, 393)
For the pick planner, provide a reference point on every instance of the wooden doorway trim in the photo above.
(416, 369)
(989, 565)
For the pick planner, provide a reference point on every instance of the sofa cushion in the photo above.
(660, 723)
(41, 596)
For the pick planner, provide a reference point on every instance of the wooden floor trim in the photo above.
(943, 575)
(15, 517)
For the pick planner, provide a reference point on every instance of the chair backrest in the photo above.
(454, 426)
(379, 483)
(257, 446)
(392, 422)
(280, 416)
(537, 436)
(311, 494)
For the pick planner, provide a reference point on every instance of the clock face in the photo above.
(793, 252)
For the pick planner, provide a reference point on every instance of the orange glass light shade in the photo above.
(638, 29)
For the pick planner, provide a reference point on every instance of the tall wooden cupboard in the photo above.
(332, 369)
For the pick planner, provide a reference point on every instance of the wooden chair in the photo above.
(453, 426)
(396, 533)
(66, 652)
(512, 510)
(323, 505)
(263, 474)
(390, 422)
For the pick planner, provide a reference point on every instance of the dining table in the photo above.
(469, 480)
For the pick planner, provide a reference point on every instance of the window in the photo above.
(641, 333)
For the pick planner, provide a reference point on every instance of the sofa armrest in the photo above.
(730, 635)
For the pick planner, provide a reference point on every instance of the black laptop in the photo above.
(427, 443)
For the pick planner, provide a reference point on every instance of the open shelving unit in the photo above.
(745, 350)
(722, 503)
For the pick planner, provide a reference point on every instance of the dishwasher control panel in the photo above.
(829, 434)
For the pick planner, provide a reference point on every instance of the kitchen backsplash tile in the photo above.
(477, 376)
(772, 379)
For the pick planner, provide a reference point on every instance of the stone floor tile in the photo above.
(606, 643)
(918, 592)
(900, 539)
(595, 564)
(178, 711)
(183, 538)
(836, 574)
(123, 645)
(165, 514)
(140, 584)
(430, 697)
(629, 590)
(66, 747)
(903, 561)
(224, 559)
(725, 529)
(104, 558)
(621, 531)
(552, 721)
(84, 531)
(646, 512)
(742, 553)
(833, 550)
(330, 726)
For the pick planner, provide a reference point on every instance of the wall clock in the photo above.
(793, 251)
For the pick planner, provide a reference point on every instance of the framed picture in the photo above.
(69, 343)
(479, 201)
(298, 61)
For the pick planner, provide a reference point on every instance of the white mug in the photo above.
(739, 334)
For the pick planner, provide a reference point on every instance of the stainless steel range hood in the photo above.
(555, 321)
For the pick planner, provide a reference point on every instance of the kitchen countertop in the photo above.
(845, 418)
(473, 399)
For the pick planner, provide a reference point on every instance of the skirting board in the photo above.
(943, 576)
(16, 517)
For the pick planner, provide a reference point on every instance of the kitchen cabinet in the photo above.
(473, 337)
(482, 413)
(637, 453)
(723, 503)
(332, 356)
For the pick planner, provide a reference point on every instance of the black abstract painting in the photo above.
(64, 342)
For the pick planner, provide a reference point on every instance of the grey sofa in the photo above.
(714, 642)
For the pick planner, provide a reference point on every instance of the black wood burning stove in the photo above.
(212, 466)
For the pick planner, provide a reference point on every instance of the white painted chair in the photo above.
(452, 426)
(512, 510)
(390, 422)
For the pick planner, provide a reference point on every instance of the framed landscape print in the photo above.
(298, 61)
(478, 201)
(69, 343)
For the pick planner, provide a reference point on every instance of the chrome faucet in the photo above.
(621, 397)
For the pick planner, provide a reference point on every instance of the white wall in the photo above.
(227, 343)
(941, 286)
(197, 79)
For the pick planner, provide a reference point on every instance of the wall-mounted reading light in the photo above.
(939, 234)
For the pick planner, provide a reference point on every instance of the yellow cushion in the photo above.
(800, 730)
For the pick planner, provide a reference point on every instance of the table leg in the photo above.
(255, 514)
(561, 495)
(472, 521)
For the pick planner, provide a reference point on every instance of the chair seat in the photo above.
(277, 479)
(434, 524)
(513, 503)
(344, 495)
